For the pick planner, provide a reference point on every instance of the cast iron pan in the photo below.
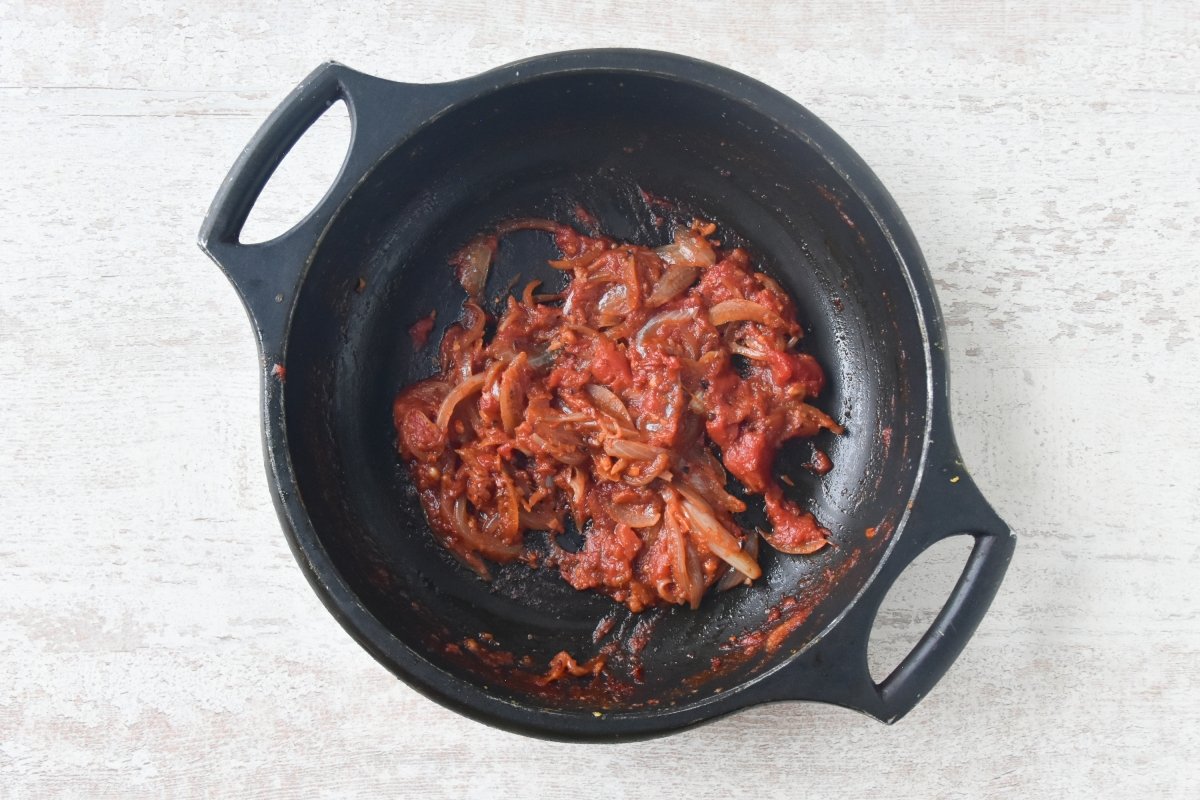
(430, 165)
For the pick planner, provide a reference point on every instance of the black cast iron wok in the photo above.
(430, 165)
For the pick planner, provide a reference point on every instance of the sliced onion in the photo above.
(748, 352)
(770, 284)
(578, 483)
(714, 535)
(544, 359)
(577, 262)
(688, 248)
(658, 468)
(674, 282)
(636, 451)
(635, 515)
(476, 540)
(571, 458)
(459, 393)
(472, 262)
(512, 392)
(560, 441)
(805, 549)
(686, 569)
(711, 485)
(614, 301)
(816, 418)
(540, 519)
(663, 318)
(565, 420)
(563, 664)
(509, 505)
(458, 348)
(527, 224)
(695, 574)
(733, 577)
(632, 281)
(527, 297)
(744, 311)
(608, 402)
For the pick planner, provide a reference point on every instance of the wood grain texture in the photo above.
(156, 637)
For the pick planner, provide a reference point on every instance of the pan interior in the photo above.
(539, 149)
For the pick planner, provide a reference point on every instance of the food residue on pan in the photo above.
(604, 627)
(820, 463)
(565, 664)
(420, 330)
(614, 670)
(587, 219)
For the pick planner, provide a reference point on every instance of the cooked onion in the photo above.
(714, 535)
(540, 519)
(702, 477)
(674, 282)
(638, 451)
(459, 393)
(733, 577)
(508, 504)
(685, 566)
(608, 402)
(688, 248)
(770, 284)
(527, 296)
(663, 318)
(528, 224)
(610, 407)
(614, 301)
(571, 458)
(744, 311)
(633, 285)
(578, 484)
(748, 352)
(658, 468)
(472, 263)
(578, 262)
(543, 360)
(635, 515)
(512, 392)
(477, 541)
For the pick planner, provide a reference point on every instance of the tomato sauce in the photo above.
(619, 407)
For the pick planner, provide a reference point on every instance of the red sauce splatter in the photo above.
(820, 463)
(420, 330)
(604, 627)
(587, 219)
(564, 664)
(654, 201)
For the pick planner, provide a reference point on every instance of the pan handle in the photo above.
(834, 669)
(381, 114)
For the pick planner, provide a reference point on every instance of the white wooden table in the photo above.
(156, 637)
